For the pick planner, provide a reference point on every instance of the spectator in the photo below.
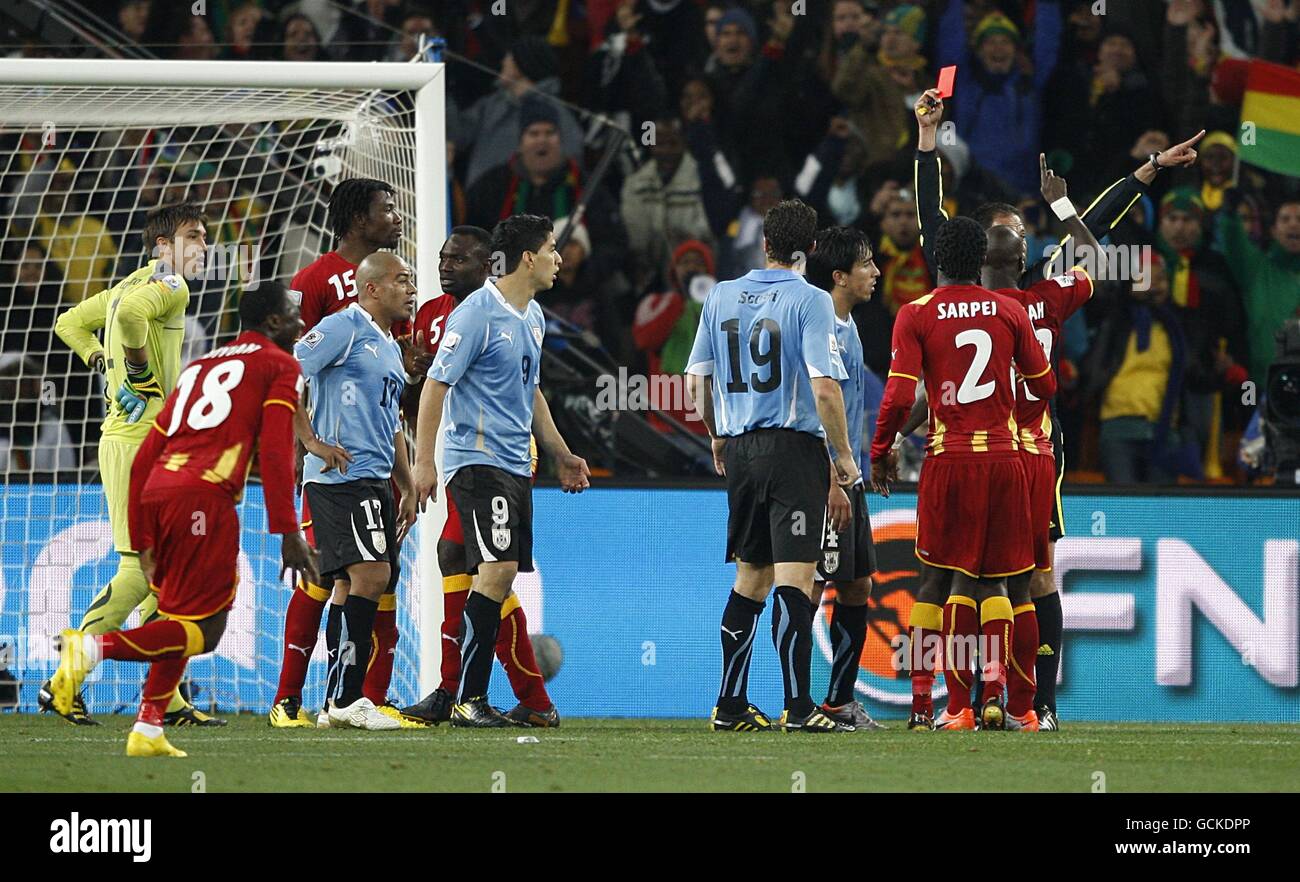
(718, 185)
(1269, 278)
(173, 33)
(241, 31)
(621, 76)
(665, 324)
(539, 179)
(904, 273)
(1135, 370)
(676, 36)
(300, 41)
(415, 24)
(1109, 124)
(574, 296)
(133, 18)
(999, 109)
(487, 132)
(853, 23)
(78, 242)
(751, 98)
(877, 86)
(32, 283)
(661, 204)
(362, 35)
(743, 246)
(32, 438)
(1207, 301)
(832, 178)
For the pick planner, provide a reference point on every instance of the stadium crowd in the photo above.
(717, 110)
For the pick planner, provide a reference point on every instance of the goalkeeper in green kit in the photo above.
(143, 322)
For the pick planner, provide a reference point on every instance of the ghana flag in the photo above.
(1270, 118)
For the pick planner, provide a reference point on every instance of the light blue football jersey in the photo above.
(762, 338)
(357, 377)
(491, 356)
(854, 386)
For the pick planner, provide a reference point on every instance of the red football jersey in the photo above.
(431, 321)
(964, 340)
(328, 284)
(1049, 303)
(225, 405)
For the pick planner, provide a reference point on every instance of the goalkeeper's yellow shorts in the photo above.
(115, 458)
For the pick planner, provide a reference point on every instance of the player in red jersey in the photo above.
(363, 219)
(1048, 302)
(973, 520)
(463, 266)
(186, 481)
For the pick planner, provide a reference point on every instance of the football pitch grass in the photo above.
(43, 753)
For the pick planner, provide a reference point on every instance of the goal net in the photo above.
(88, 149)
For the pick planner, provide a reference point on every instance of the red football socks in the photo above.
(995, 627)
(383, 637)
(160, 639)
(164, 676)
(926, 622)
(515, 652)
(301, 626)
(453, 609)
(1021, 684)
(960, 630)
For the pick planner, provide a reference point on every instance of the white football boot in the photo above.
(361, 714)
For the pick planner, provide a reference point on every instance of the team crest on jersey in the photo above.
(832, 562)
(295, 297)
(537, 334)
(501, 538)
(381, 541)
(450, 341)
(313, 338)
(1064, 281)
(835, 345)
(171, 280)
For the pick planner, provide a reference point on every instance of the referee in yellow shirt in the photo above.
(143, 322)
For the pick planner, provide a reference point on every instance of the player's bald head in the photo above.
(378, 266)
(1006, 247)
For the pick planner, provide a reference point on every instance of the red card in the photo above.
(946, 77)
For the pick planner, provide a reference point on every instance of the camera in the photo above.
(1281, 416)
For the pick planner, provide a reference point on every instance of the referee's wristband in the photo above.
(1064, 209)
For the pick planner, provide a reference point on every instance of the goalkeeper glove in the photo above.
(139, 386)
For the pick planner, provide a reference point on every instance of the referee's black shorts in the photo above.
(777, 482)
(1057, 528)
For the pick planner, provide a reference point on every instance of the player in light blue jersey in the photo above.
(356, 372)
(764, 374)
(842, 265)
(484, 383)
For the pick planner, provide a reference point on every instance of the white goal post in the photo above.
(89, 146)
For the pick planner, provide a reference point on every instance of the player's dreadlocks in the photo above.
(790, 228)
(838, 248)
(959, 250)
(351, 198)
(985, 214)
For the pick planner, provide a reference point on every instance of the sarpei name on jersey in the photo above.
(240, 349)
(967, 309)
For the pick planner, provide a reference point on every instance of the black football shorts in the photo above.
(850, 554)
(353, 522)
(777, 482)
(496, 515)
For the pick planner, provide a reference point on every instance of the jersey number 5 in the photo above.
(212, 406)
(770, 359)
